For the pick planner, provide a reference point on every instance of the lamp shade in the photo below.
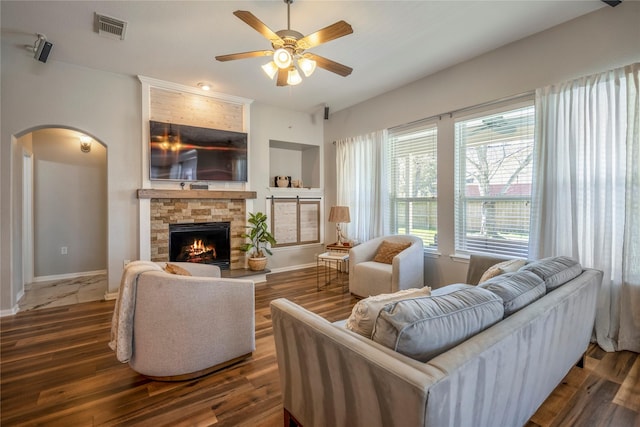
(282, 58)
(307, 65)
(293, 77)
(339, 214)
(271, 69)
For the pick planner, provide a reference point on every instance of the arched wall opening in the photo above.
(64, 204)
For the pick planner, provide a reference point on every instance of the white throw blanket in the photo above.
(123, 312)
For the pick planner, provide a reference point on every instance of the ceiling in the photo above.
(394, 42)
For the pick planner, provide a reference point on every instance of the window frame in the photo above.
(506, 248)
(431, 202)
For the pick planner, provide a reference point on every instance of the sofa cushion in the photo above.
(516, 290)
(450, 288)
(555, 271)
(509, 266)
(364, 313)
(176, 269)
(422, 328)
(387, 250)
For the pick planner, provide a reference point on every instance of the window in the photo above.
(412, 155)
(494, 156)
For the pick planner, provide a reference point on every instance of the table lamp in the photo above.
(339, 214)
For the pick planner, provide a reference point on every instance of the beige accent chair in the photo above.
(368, 277)
(188, 326)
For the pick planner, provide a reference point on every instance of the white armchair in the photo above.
(186, 327)
(368, 277)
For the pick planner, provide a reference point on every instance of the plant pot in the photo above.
(257, 264)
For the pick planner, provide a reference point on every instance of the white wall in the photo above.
(605, 39)
(70, 204)
(105, 106)
(272, 123)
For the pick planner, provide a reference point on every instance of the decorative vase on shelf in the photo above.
(283, 181)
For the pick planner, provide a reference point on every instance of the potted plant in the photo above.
(259, 236)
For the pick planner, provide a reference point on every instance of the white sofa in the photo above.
(185, 327)
(368, 277)
(498, 377)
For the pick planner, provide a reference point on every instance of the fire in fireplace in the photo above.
(206, 243)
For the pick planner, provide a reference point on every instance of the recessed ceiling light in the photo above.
(204, 86)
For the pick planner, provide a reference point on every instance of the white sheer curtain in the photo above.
(587, 191)
(361, 181)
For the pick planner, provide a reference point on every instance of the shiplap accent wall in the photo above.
(170, 106)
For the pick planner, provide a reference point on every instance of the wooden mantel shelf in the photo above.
(149, 193)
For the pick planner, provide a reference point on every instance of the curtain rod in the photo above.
(473, 107)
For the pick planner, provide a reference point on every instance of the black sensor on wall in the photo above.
(41, 52)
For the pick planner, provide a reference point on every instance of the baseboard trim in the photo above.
(294, 267)
(68, 276)
(9, 312)
(109, 296)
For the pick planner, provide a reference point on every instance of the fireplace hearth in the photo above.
(205, 243)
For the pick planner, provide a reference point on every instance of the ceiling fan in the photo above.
(289, 48)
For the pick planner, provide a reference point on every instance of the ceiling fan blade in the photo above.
(330, 65)
(332, 32)
(283, 73)
(243, 55)
(251, 20)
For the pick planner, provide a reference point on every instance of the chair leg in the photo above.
(289, 420)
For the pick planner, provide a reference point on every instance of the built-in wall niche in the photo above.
(299, 161)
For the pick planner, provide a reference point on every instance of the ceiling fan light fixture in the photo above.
(308, 66)
(282, 58)
(270, 69)
(289, 47)
(294, 77)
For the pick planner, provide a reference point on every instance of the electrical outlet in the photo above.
(125, 262)
(64, 250)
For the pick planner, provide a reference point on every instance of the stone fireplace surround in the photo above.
(196, 206)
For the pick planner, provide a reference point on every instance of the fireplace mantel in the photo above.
(149, 193)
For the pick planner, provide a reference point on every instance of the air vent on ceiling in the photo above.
(110, 27)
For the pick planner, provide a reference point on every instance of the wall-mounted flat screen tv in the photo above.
(190, 153)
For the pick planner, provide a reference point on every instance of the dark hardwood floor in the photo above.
(56, 369)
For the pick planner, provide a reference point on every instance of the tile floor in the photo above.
(56, 293)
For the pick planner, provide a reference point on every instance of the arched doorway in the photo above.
(64, 192)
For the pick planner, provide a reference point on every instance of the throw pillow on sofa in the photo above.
(516, 290)
(176, 269)
(423, 328)
(555, 271)
(364, 313)
(387, 250)
(510, 266)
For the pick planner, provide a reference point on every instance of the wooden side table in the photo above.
(325, 262)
